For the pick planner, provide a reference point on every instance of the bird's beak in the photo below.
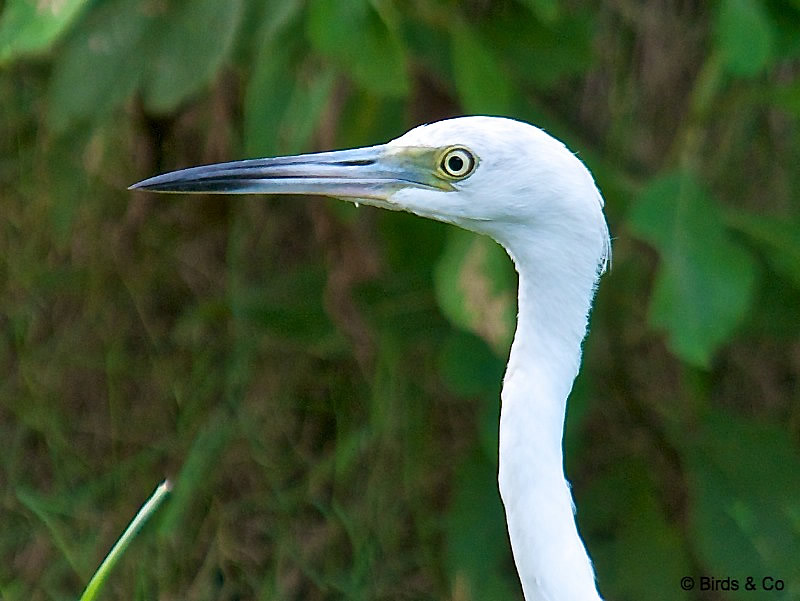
(370, 175)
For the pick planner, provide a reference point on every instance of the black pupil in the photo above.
(455, 163)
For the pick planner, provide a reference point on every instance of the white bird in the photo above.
(513, 182)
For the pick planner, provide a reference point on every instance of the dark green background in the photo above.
(315, 378)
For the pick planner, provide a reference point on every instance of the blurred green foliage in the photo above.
(322, 381)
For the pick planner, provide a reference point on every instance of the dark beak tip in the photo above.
(141, 185)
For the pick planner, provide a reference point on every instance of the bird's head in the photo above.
(492, 175)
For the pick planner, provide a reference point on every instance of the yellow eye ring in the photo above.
(457, 162)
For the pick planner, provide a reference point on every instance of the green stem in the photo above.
(96, 583)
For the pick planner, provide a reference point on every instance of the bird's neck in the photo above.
(554, 305)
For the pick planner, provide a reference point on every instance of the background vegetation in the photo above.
(316, 378)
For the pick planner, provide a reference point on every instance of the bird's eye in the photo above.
(457, 163)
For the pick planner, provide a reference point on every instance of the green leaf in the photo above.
(786, 19)
(538, 53)
(188, 49)
(704, 285)
(411, 245)
(475, 287)
(267, 96)
(744, 487)
(122, 46)
(28, 27)
(100, 66)
(269, 88)
(362, 41)
(470, 369)
(430, 45)
(746, 36)
(282, 110)
(483, 86)
(309, 98)
(547, 11)
(468, 366)
(779, 239)
(478, 552)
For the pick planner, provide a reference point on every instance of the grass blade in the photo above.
(96, 583)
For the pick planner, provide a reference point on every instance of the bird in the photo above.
(511, 181)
